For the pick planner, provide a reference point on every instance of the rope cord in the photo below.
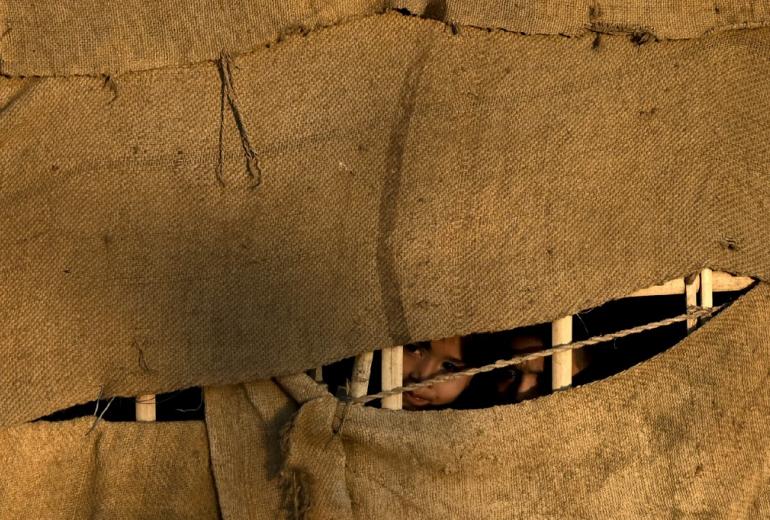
(227, 90)
(692, 313)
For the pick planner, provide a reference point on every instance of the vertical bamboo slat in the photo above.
(392, 366)
(707, 288)
(318, 374)
(362, 369)
(691, 285)
(145, 408)
(561, 363)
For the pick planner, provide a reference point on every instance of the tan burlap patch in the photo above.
(245, 423)
(67, 471)
(88, 37)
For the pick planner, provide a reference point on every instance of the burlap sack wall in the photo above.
(415, 184)
(245, 423)
(92, 37)
(117, 470)
(683, 435)
(665, 20)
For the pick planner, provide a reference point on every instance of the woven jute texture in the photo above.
(66, 470)
(661, 18)
(683, 435)
(415, 184)
(94, 37)
(245, 423)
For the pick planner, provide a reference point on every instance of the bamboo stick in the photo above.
(561, 363)
(707, 288)
(691, 286)
(145, 408)
(392, 366)
(722, 282)
(362, 369)
(670, 287)
(318, 374)
(726, 282)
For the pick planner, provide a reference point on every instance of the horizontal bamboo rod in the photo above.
(721, 282)
(145, 408)
(670, 287)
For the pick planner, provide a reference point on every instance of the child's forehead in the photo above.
(447, 347)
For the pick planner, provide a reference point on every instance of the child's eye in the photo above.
(449, 366)
(413, 348)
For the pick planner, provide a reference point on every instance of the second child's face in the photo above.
(427, 359)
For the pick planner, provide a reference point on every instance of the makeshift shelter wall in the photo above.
(69, 470)
(681, 435)
(245, 424)
(415, 184)
(89, 37)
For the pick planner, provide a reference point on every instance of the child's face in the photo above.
(531, 371)
(424, 360)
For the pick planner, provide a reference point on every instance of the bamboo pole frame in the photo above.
(561, 363)
(146, 409)
(703, 285)
(392, 375)
(721, 282)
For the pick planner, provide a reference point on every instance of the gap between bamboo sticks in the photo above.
(502, 363)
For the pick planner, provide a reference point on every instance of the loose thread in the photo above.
(190, 410)
(98, 398)
(692, 313)
(143, 362)
(253, 169)
(100, 415)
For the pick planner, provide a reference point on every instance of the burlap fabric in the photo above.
(116, 471)
(245, 423)
(664, 20)
(683, 435)
(416, 183)
(92, 37)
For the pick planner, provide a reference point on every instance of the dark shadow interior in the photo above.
(184, 405)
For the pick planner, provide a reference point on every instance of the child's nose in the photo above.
(426, 368)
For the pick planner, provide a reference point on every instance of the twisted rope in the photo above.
(227, 90)
(692, 313)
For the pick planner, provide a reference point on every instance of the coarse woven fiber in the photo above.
(65, 470)
(93, 37)
(683, 435)
(661, 19)
(415, 184)
(244, 424)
